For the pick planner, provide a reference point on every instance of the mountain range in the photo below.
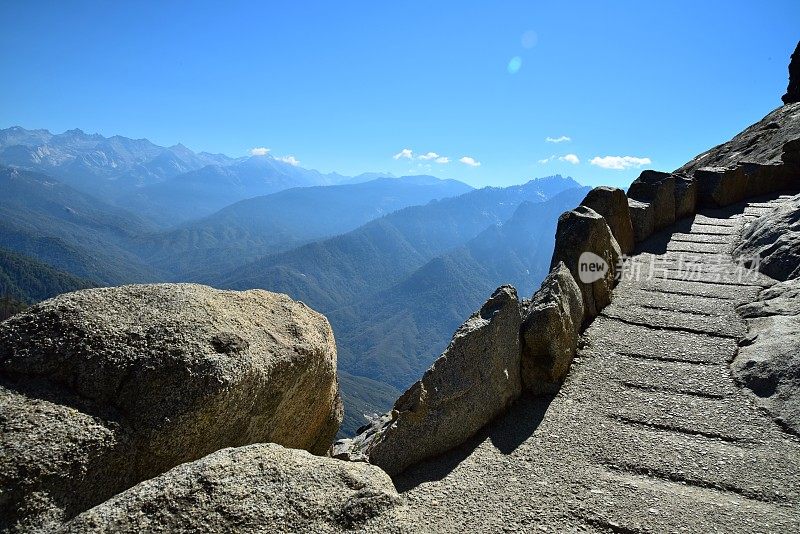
(167, 185)
(396, 264)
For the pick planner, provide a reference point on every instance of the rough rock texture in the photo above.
(762, 143)
(768, 361)
(147, 377)
(762, 159)
(256, 488)
(641, 219)
(658, 190)
(472, 382)
(55, 460)
(772, 242)
(685, 197)
(612, 204)
(584, 230)
(649, 432)
(793, 90)
(550, 332)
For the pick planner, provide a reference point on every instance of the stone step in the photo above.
(688, 246)
(607, 336)
(758, 212)
(715, 221)
(759, 473)
(726, 326)
(676, 377)
(616, 501)
(681, 260)
(715, 229)
(700, 238)
(671, 301)
(730, 419)
(711, 275)
(737, 293)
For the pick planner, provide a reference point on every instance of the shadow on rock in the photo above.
(506, 433)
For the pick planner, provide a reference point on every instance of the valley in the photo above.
(395, 263)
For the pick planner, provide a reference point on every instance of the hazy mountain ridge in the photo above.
(394, 287)
(70, 230)
(394, 335)
(168, 185)
(333, 273)
(101, 166)
(249, 229)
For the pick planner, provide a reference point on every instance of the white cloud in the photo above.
(407, 153)
(569, 158)
(562, 139)
(619, 162)
(472, 162)
(259, 151)
(291, 160)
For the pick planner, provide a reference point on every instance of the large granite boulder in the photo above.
(151, 376)
(550, 332)
(256, 488)
(772, 242)
(768, 360)
(612, 204)
(472, 382)
(793, 89)
(586, 246)
(657, 189)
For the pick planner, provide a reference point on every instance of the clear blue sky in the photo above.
(345, 86)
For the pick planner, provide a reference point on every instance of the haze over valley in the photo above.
(395, 263)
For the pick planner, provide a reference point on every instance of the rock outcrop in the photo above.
(642, 220)
(793, 89)
(612, 204)
(762, 159)
(657, 190)
(108, 387)
(685, 197)
(763, 143)
(550, 332)
(472, 382)
(772, 242)
(584, 239)
(261, 487)
(768, 361)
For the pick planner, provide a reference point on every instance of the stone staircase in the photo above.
(650, 432)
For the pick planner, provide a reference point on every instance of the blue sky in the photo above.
(476, 87)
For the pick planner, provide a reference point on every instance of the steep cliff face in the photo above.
(103, 388)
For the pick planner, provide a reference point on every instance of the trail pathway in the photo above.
(650, 432)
